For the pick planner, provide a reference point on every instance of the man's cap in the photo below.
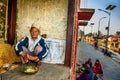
(35, 25)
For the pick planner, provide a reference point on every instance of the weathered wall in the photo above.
(50, 14)
(3, 19)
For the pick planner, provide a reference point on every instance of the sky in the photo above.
(102, 4)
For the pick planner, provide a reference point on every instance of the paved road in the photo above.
(110, 67)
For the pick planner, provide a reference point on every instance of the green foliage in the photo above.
(81, 33)
(89, 34)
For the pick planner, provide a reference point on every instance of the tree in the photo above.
(81, 33)
(99, 34)
(89, 34)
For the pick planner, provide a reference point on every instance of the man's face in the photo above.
(34, 32)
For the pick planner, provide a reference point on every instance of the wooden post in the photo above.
(69, 37)
(72, 35)
(12, 6)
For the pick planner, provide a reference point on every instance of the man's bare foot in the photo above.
(38, 64)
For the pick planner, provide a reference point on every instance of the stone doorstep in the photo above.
(46, 72)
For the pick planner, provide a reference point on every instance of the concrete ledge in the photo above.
(46, 72)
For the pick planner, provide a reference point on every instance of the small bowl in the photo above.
(30, 69)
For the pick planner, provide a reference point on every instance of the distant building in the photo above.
(114, 43)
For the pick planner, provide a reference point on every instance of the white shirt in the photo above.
(33, 43)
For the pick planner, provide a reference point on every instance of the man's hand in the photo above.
(24, 55)
(33, 58)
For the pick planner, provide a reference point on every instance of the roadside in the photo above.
(110, 67)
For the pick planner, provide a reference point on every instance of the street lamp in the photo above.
(109, 7)
(99, 25)
(109, 13)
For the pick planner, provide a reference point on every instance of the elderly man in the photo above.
(32, 47)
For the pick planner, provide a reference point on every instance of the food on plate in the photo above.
(30, 69)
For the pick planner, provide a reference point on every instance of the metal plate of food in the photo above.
(30, 69)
